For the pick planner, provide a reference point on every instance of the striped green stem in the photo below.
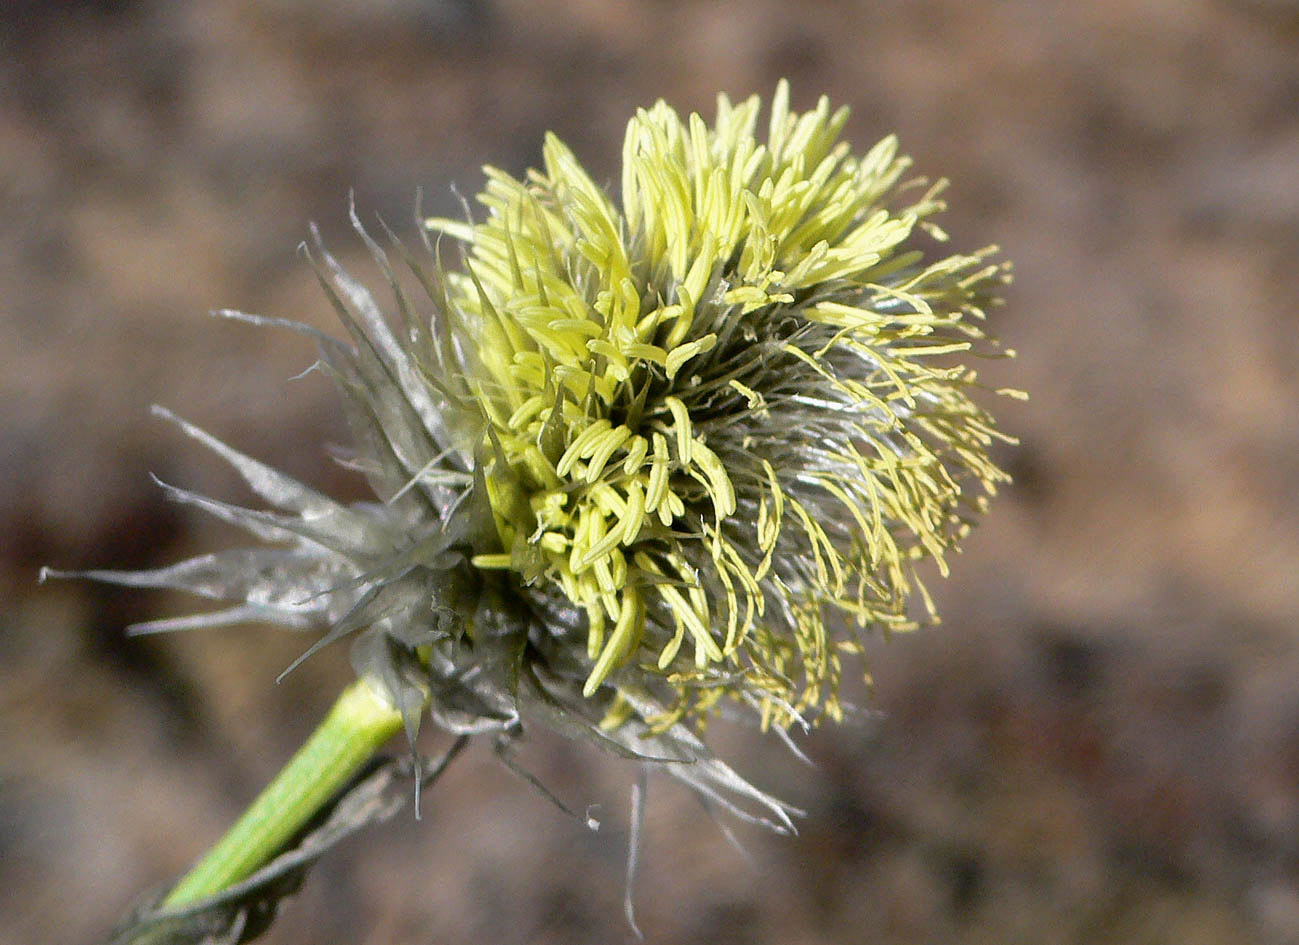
(357, 726)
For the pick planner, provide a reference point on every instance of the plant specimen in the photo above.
(634, 460)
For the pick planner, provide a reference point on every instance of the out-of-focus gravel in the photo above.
(1101, 744)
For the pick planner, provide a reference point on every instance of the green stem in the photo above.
(357, 726)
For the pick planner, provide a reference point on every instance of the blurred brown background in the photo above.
(1101, 745)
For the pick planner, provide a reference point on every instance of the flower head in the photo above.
(635, 456)
(718, 417)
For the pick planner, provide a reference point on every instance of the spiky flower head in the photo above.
(639, 455)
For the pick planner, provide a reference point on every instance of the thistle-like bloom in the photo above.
(637, 457)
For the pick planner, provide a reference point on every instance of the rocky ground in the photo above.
(1100, 745)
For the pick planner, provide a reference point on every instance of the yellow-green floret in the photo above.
(725, 415)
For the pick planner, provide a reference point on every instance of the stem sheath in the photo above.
(357, 726)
